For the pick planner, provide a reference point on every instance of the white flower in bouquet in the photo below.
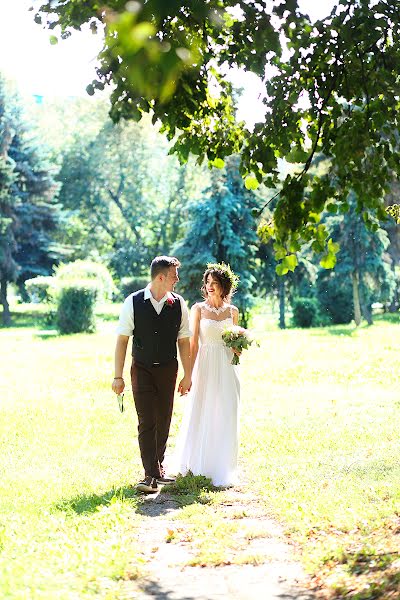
(237, 338)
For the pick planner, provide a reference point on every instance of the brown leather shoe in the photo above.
(148, 485)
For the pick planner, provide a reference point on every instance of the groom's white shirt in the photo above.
(126, 323)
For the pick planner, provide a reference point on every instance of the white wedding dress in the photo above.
(207, 442)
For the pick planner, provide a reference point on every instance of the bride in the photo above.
(208, 439)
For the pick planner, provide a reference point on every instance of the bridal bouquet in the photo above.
(237, 338)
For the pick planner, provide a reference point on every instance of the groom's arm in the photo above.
(184, 354)
(118, 383)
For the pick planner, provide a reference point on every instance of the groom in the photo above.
(158, 321)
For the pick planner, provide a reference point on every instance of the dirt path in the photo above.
(275, 574)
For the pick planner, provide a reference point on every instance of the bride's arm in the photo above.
(194, 328)
(235, 315)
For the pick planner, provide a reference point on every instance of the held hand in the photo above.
(236, 351)
(184, 385)
(118, 386)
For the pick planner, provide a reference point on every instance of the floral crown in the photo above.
(225, 271)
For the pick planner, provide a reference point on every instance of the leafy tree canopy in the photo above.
(331, 86)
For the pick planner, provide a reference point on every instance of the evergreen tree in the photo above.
(295, 284)
(28, 214)
(8, 265)
(363, 274)
(220, 228)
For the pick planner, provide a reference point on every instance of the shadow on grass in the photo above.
(190, 489)
(87, 504)
(393, 318)
(339, 331)
(27, 320)
(186, 490)
(154, 589)
(374, 576)
(47, 334)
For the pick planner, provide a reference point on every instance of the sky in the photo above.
(65, 69)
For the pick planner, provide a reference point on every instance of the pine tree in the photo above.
(363, 274)
(220, 228)
(28, 215)
(8, 266)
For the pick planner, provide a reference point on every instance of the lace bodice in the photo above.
(211, 330)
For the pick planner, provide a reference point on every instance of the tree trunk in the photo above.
(356, 299)
(282, 303)
(395, 303)
(367, 313)
(4, 302)
(366, 309)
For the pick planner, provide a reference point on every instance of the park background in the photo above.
(84, 206)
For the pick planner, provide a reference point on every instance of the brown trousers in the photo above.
(153, 391)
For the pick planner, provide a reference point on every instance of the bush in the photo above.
(87, 269)
(335, 296)
(75, 307)
(41, 289)
(305, 312)
(128, 285)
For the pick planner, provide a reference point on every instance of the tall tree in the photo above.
(122, 187)
(8, 265)
(334, 88)
(220, 228)
(364, 269)
(28, 214)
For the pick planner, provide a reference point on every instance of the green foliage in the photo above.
(335, 91)
(220, 228)
(41, 289)
(305, 312)
(75, 307)
(128, 285)
(363, 257)
(335, 296)
(29, 216)
(86, 269)
(122, 195)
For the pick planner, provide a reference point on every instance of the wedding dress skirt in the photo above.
(207, 442)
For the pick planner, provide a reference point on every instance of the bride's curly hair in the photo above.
(226, 278)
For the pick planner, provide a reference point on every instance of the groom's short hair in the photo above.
(161, 264)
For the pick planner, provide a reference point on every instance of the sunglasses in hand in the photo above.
(120, 399)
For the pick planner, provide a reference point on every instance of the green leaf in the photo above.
(251, 183)
(297, 155)
(281, 270)
(332, 208)
(53, 40)
(328, 261)
(280, 251)
(290, 262)
(294, 246)
(218, 163)
(333, 247)
(314, 217)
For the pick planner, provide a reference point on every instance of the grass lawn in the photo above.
(320, 443)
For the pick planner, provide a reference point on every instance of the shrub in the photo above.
(41, 289)
(75, 307)
(305, 312)
(335, 296)
(87, 269)
(132, 284)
